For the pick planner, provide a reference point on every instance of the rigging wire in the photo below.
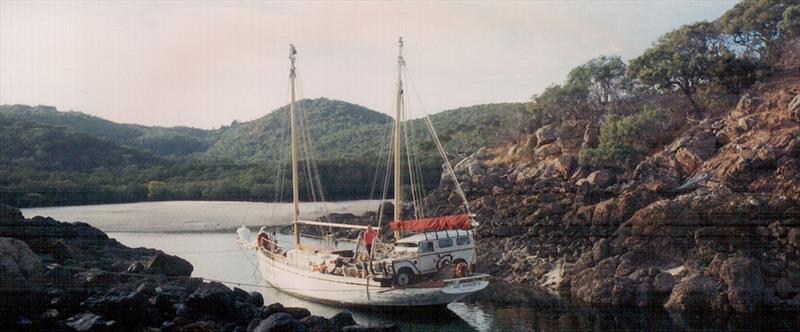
(439, 145)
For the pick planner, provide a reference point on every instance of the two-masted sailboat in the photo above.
(429, 261)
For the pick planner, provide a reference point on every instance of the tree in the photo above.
(625, 140)
(555, 103)
(681, 59)
(756, 24)
(603, 77)
(790, 25)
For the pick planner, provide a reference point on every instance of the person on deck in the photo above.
(369, 237)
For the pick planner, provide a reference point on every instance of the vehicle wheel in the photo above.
(403, 277)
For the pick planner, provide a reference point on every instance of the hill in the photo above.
(343, 130)
(162, 141)
(73, 158)
(338, 130)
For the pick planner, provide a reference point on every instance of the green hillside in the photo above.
(338, 130)
(174, 141)
(57, 158)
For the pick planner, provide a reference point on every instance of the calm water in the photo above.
(193, 230)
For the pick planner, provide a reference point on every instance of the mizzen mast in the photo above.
(398, 182)
(295, 186)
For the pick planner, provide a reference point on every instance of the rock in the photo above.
(297, 313)
(600, 179)
(256, 299)
(276, 307)
(280, 322)
(147, 287)
(120, 305)
(10, 215)
(794, 108)
(591, 136)
(745, 285)
(87, 322)
(317, 324)
(212, 298)
(381, 327)
(663, 282)
(98, 279)
(689, 160)
(169, 265)
(793, 236)
(200, 326)
(547, 151)
(20, 267)
(546, 135)
(694, 293)
(498, 191)
(342, 319)
(566, 164)
(136, 267)
(784, 289)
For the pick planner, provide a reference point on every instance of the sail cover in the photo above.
(461, 222)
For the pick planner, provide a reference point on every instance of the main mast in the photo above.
(295, 186)
(398, 185)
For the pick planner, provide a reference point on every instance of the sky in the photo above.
(207, 63)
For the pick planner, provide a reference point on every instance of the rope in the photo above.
(440, 148)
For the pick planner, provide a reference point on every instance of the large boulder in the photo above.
(600, 179)
(282, 322)
(546, 135)
(20, 268)
(89, 322)
(742, 275)
(316, 324)
(120, 304)
(342, 319)
(695, 293)
(212, 298)
(169, 265)
(9, 214)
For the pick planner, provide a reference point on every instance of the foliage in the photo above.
(760, 25)
(682, 59)
(602, 77)
(556, 103)
(176, 141)
(625, 140)
(790, 25)
(43, 164)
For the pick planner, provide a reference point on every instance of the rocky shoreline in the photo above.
(72, 277)
(710, 222)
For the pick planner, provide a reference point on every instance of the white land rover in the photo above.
(421, 255)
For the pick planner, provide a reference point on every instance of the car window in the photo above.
(426, 246)
(445, 243)
(462, 240)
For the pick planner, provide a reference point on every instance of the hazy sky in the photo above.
(205, 64)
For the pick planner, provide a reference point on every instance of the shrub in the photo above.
(625, 140)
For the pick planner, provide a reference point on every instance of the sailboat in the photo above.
(428, 262)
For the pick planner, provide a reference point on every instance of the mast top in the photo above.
(292, 57)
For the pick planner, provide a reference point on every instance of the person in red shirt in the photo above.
(369, 237)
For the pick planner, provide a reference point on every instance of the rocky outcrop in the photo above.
(708, 221)
(97, 284)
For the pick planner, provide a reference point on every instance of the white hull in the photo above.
(350, 291)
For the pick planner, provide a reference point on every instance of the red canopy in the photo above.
(433, 224)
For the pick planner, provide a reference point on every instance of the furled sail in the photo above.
(462, 222)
